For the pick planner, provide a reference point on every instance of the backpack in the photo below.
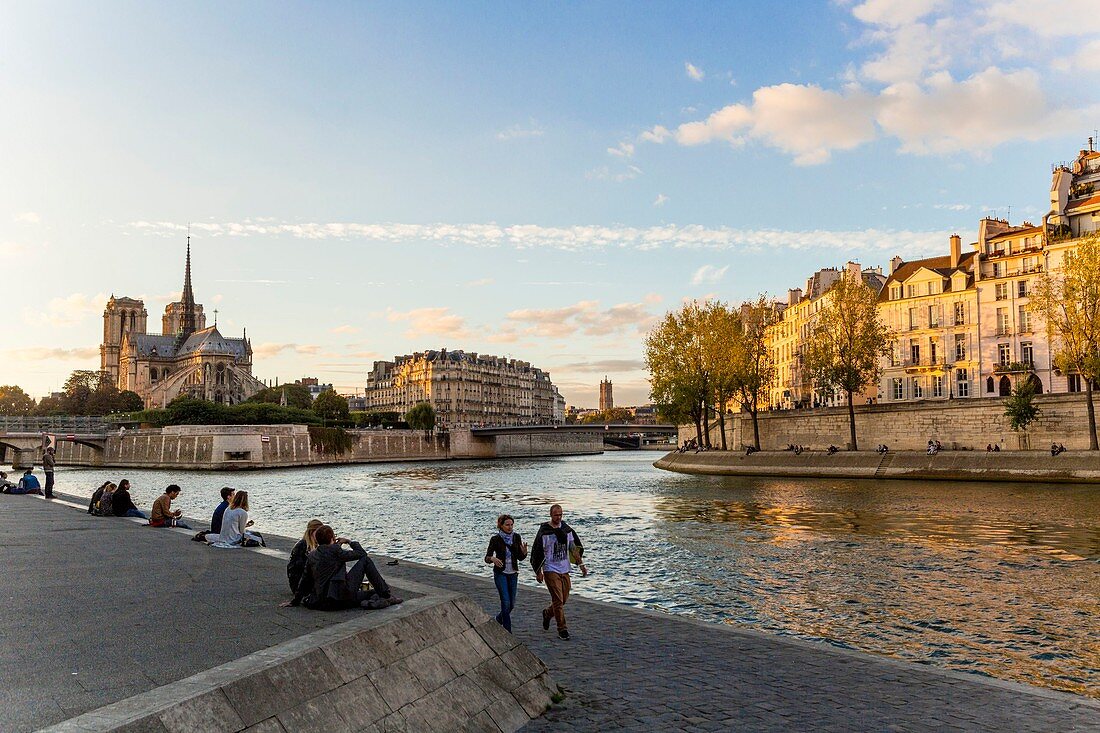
(105, 506)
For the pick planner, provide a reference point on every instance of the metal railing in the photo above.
(83, 424)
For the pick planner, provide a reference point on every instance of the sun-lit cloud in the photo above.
(437, 321)
(601, 365)
(624, 149)
(27, 217)
(270, 349)
(64, 312)
(694, 72)
(583, 317)
(45, 353)
(345, 328)
(708, 275)
(661, 200)
(480, 283)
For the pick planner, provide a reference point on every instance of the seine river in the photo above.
(997, 579)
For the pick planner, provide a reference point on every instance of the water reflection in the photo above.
(992, 578)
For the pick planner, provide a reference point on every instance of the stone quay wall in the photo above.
(232, 447)
(964, 424)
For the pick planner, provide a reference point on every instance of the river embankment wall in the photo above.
(234, 447)
(960, 465)
(964, 424)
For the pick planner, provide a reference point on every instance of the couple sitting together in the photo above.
(229, 523)
(320, 580)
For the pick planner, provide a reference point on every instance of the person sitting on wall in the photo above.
(327, 584)
(798, 450)
(1061, 448)
(832, 449)
(988, 447)
(121, 503)
(996, 447)
(163, 515)
(749, 450)
(28, 484)
(5, 485)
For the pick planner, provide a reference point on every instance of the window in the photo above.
(918, 391)
(899, 390)
(989, 385)
(910, 291)
(912, 319)
(1027, 354)
(933, 316)
(895, 292)
(914, 352)
(1002, 322)
(1031, 264)
(1024, 320)
(1021, 289)
(1004, 354)
(937, 385)
(960, 346)
(998, 269)
(930, 288)
(932, 352)
(1001, 290)
(1073, 382)
(960, 313)
(962, 383)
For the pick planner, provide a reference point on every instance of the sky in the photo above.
(534, 180)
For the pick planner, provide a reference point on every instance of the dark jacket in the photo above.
(122, 503)
(561, 534)
(497, 547)
(95, 499)
(48, 462)
(296, 567)
(323, 584)
(216, 517)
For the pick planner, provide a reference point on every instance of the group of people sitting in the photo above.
(992, 448)
(114, 500)
(1056, 448)
(319, 577)
(934, 447)
(230, 523)
(27, 484)
(692, 445)
(882, 448)
(796, 449)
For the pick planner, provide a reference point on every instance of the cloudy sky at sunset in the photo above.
(537, 180)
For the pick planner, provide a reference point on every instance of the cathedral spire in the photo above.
(188, 321)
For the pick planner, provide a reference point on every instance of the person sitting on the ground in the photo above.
(749, 450)
(216, 517)
(235, 524)
(96, 496)
(163, 515)
(832, 449)
(996, 447)
(296, 566)
(1061, 448)
(122, 505)
(105, 507)
(1053, 449)
(988, 447)
(798, 450)
(327, 584)
(5, 485)
(28, 484)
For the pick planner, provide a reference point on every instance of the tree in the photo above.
(50, 406)
(297, 395)
(614, 415)
(331, 406)
(678, 378)
(1020, 408)
(421, 417)
(846, 342)
(754, 365)
(721, 335)
(14, 401)
(1068, 299)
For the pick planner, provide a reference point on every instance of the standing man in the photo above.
(48, 462)
(555, 548)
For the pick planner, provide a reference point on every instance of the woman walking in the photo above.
(506, 549)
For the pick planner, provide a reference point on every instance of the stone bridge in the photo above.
(22, 439)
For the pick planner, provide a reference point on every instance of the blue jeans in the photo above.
(132, 512)
(506, 587)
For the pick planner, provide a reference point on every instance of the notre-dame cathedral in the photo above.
(186, 358)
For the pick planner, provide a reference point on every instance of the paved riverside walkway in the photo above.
(81, 626)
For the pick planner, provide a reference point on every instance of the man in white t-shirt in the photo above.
(553, 552)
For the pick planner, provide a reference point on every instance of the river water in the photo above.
(995, 579)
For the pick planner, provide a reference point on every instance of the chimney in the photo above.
(956, 250)
(895, 263)
(854, 270)
(793, 296)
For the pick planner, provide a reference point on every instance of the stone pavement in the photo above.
(623, 669)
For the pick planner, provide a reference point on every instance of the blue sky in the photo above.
(534, 180)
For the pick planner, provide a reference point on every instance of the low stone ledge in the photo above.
(434, 663)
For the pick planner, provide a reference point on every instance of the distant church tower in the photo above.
(184, 317)
(606, 400)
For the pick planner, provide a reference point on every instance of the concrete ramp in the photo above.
(435, 663)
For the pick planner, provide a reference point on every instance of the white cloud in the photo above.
(585, 317)
(430, 322)
(623, 150)
(45, 353)
(67, 311)
(952, 207)
(894, 12)
(603, 173)
(694, 72)
(480, 283)
(661, 200)
(657, 134)
(518, 132)
(577, 238)
(708, 275)
(270, 349)
(346, 328)
(28, 217)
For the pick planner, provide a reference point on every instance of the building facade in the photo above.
(186, 358)
(465, 389)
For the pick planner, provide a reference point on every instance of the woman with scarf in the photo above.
(506, 550)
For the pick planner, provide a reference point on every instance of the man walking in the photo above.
(555, 548)
(48, 462)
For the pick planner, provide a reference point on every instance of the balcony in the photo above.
(1004, 332)
(1014, 367)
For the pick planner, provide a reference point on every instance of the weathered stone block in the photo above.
(522, 662)
(271, 725)
(354, 656)
(461, 653)
(474, 613)
(508, 714)
(430, 668)
(318, 715)
(209, 712)
(150, 724)
(469, 696)
(397, 685)
(359, 703)
(533, 696)
(314, 666)
(254, 697)
(496, 637)
(481, 723)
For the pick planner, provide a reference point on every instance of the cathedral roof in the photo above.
(149, 344)
(210, 341)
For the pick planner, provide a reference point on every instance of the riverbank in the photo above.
(1023, 466)
(623, 669)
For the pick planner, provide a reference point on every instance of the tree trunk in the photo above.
(722, 427)
(706, 424)
(852, 421)
(1092, 416)
(697, 419)
(755, 429)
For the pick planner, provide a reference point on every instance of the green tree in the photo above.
(846, 342)
(753, 363)
(421, 417)
(127, 401)
(50, 406)
(14, 401)
(331, 406)
(678, 378)
(614, 415)
(721, 336)
(1068, 299)
(1020, 408)
(297, 395)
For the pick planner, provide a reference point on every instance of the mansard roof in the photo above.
(940, 265)
(1084, 203)
(210, 341)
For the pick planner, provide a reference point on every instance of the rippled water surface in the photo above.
(998, 579)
